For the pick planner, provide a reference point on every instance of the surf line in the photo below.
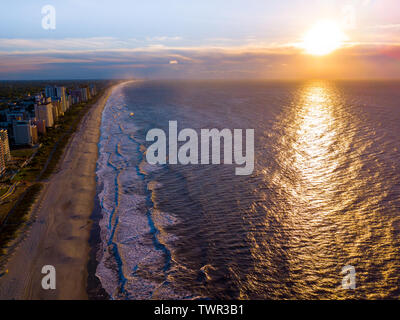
(188, 153)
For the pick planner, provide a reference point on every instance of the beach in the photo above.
(60, 232)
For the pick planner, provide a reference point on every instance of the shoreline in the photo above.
(60, 232)
(95, 290)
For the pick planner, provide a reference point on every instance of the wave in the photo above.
(134, 259)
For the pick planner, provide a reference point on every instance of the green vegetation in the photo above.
(3, 191)
(18, 215)
(22, 153)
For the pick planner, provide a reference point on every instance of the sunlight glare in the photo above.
(324, 38)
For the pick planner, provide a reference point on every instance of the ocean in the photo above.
(324, 193)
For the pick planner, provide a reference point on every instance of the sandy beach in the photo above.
(60, 233)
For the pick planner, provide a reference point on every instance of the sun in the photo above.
(323, 38)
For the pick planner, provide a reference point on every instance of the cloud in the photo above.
(386, 26)
(162, 39)
(71, 44)
(360, 60)
(81, 44)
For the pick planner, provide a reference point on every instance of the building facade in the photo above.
(5, 144)
(22, 133)
(45, 112)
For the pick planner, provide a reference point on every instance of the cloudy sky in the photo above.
(196, 39)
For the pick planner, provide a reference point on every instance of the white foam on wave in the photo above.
(132, 259)
(146, 168)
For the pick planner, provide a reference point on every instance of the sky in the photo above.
(207, 39)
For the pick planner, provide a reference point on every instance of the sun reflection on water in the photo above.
(322, 206)
(316, 136)
(313, 144)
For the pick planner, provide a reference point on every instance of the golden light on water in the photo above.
(323, 208)
(323, 38)
(311, 147)
(315, 136)
(312, 143)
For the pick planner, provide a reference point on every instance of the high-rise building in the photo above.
(45, 112)
(5, 144)
(58, 93)
(50, 91)
(2, 160)
(93, 90)
(69, 101)
(22, 132)
(41, 126)
(55, 110)
(76, 96)
(62, 95)
(85, 94)
(25, 133)
(34, 133)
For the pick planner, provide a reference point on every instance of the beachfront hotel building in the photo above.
(50, 91)
(76, 96)
(2, 159)
(62, 95)
(25, 133)
(69, 100)
(34, 133)
(57, 109)
(5, 145)
(45, 112)
(58, 94)
(41, 126)
(92, 90)
(85, 94)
